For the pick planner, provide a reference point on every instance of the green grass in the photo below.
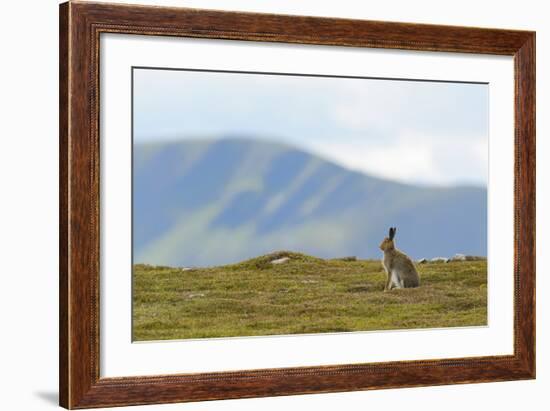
(304, 295)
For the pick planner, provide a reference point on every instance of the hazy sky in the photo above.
(415, 132)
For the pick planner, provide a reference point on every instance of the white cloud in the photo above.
(415, 132)
(412, 159)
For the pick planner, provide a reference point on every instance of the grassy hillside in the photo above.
(304, 295)
(213, 202)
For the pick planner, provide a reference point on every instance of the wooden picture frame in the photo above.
(80, 27)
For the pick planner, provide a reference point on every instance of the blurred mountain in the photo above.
(201, 203)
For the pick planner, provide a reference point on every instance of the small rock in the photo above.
(309, 281)
(422, 261)
(195, 295)
(280, 260)
(186, 269)
(349, 258)
(439, 260)
(475, 258)
(458, 257)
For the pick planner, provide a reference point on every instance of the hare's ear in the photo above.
(392, 233)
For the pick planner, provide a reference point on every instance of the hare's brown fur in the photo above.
(400, 270)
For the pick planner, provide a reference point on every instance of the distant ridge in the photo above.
(212, 202)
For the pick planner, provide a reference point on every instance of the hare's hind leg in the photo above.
(396, 279)
(393, 281)
(388, 284)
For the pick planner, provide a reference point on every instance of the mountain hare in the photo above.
(400, 269)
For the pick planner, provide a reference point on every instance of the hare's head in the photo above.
(387, 243)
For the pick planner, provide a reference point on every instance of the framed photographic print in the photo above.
(257, 205)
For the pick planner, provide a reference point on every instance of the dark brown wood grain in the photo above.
(524, 203)
(63, 205)
(80, 27)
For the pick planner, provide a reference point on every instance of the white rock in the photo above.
(195, 295)
(439, 260)
(280, 260)
(422, 261)
(458, 257)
